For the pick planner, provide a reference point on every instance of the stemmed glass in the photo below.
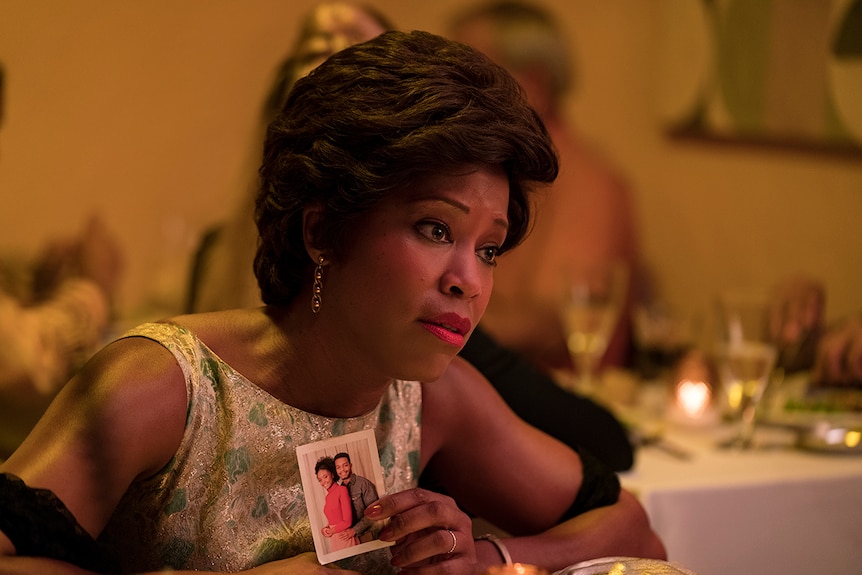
(594, 298)
(746, 357)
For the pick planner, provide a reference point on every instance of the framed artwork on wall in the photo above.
(776, 72)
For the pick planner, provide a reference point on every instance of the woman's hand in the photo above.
(839, 354)
(348, 533)
(327, 531)
(429, 531)
(796, 313)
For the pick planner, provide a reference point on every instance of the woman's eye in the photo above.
(434, 231)
(489, 254)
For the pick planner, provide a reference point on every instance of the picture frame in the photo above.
(776, 73)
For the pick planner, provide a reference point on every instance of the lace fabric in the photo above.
(39, 525)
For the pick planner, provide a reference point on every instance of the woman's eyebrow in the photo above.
(502, 222)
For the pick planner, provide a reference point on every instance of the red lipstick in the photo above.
(449, 327)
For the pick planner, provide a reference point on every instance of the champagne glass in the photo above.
(746, 357)
(594, 298)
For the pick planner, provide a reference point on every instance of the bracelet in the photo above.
(504, 553)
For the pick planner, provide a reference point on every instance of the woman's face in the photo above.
(417, 274)
(324, 477)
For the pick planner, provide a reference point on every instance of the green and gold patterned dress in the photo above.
(232, 497)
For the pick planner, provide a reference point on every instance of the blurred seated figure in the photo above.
(833, 353)
(222, 275)
(51, 323)
(53, 315)
(575, 420)
(586, 217)
(797, 307)
(804, 343)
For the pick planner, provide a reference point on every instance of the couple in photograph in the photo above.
(347, 496)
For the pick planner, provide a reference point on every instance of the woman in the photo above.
(395, 174)
(222, 278)
(338, 507)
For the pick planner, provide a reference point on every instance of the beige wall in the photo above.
(143, 111)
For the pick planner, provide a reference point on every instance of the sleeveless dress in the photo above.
(232, 497)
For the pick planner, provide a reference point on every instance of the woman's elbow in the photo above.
(648, 542)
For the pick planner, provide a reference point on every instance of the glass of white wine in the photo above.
(746, 358)
(594, 298)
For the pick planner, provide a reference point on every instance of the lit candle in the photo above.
(693, 397)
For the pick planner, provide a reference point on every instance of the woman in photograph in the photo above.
(395, 174)
(338, 508)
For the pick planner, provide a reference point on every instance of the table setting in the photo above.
(786, 502)
(743, 466)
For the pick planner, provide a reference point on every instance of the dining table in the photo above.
(781, 507)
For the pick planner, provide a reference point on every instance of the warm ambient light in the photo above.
(515, 569)
(693, 397)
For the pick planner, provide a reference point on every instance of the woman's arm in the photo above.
(121, 418)
(621, 529)
(536, 398)
(520, 479)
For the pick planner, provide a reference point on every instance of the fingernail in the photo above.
(385, 534)
(374, 511)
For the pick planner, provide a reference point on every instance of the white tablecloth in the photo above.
(763, 512)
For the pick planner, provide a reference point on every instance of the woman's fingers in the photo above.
(426, 551)
(428, 528)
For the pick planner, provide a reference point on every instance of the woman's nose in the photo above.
(463, 278)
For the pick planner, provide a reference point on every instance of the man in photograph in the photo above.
(362, 493)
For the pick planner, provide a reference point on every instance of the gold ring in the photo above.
(454, 542)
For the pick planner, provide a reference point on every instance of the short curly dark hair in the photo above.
(371, 121)
(326, 463)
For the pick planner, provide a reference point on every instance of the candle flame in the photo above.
(693, 397)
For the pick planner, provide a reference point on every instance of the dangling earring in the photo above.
(317, 286)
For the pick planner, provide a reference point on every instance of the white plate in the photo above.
(625, 566)
(832, 437)
(827, 432)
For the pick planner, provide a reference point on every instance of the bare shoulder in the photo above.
(120, 418)
(459, 378)
(461, 390)
(462, 410)
(134, 385)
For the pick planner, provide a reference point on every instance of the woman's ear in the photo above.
(311, 216)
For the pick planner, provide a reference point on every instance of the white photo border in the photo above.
(307, 456)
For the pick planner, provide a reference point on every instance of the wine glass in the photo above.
(663, 334)
(746, 357)
(594, 298)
